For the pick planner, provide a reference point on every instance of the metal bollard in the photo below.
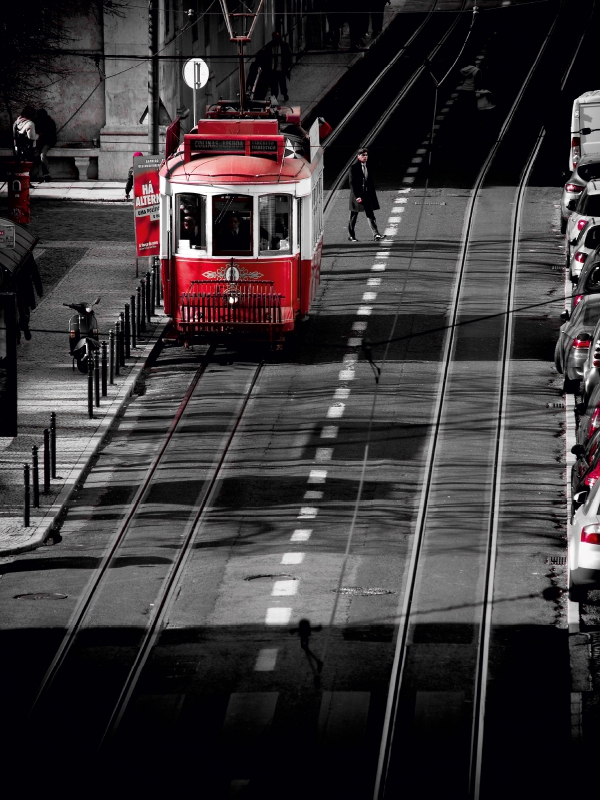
(96, 378)
(122, 340)
(149, 297)
(143, 308)
(104, 365)
(155, 276)
(46, 460)
(35, 474)
(26, 497)
(133, 331)
(53, 444)
(111, 356)
(117, 361)
(91, 385)
(138, 312)
(127, 332)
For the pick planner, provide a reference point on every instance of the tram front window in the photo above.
(275, 214)
(232, 225)
(191, 222)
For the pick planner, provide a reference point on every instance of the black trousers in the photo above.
(278, 83)
(370, 219)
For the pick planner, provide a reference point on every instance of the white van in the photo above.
(585, 127)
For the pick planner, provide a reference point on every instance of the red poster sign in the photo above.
(146, 206)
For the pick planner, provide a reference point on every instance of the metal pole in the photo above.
(157, 281)
(36, 476)
(148, 298)
(104, 387)
(138, 311)
(117, 346)
(127, 332)
(133, 331)
(96, 378)
(26, 495)
(111, 356)
(53, 443)
(46, 460)
(196, 82)
(122, 340)
(152, 280)
(143, 308)
(91, 385)
(153, 92)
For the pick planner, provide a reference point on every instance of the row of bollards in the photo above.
(32, 475)
(131, 323)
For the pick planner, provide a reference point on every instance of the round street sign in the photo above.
(189, 69)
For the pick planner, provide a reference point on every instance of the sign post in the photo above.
(146, 205)
(195, 74)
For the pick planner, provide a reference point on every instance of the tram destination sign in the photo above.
(263, 146)
(219, 145)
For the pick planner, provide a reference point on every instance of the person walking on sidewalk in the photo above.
(275, 64)
(363, 196)
(46, 130)
(129, 184)
(24, 134)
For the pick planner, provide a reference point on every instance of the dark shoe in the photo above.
(352, 239)
(377, 237)
(286, 97)
(47, 178)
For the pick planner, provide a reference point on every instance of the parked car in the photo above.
(586, 207)
(589, 278)
(587, 169)
(591, 366)
(583, 535)
(588, 413)
(586, 469)
(587, 241)
(574, 340)
(585, 127)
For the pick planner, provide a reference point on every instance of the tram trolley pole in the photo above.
(122, 340)
(111, 356)
(104, 367)
(133, 331)
(90, 385)
(143, 308)
(117, 360)
(26, 495)
(35, 475)
(96, 378)
(127, 332)
(53, 444)
(46, 461)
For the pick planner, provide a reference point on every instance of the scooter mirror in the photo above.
(96, 301)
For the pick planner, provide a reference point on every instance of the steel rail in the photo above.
(407, 601)
(97, 577)
(391, 108)
(170, 586)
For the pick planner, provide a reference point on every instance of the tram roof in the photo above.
(233, 169)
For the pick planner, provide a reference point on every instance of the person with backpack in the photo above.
(24, 134)
(46, 131)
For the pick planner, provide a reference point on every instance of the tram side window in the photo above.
(232, 225)
(191, 222)
(275, 216)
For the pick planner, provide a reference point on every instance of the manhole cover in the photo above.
(558, 267)
(41, 596)
(557, 560)
(558, 404)
(362, 591)
(270, 576)
(429, 203)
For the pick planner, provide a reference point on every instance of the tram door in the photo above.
(299, 228)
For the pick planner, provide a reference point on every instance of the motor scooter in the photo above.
(83, 333)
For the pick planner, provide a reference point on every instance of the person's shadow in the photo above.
(304, 631)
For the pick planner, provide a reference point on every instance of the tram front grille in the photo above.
(210, 305)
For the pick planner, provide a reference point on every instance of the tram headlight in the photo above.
(233, 298)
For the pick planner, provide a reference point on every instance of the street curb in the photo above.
(42, 531)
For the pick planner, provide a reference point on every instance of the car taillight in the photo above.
(582, 340)
(590, 534)
(95, 332)
(72, 334)
(581, 224)
(573, 187)
(580, 257)
(577, 299)
(591, 479)
(575, 149)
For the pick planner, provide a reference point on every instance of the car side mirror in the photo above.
(565, 316)
(572, 242)
(578, 449)
(572, 204)
(97, 300)
(580, 408)
(579, 498)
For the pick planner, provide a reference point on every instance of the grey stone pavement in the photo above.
(106, 268)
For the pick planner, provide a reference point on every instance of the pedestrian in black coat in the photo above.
(363, 196)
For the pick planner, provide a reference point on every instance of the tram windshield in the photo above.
(232, 225)
(191, 222)
(275, 215)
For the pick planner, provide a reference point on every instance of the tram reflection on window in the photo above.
(191, 222)
(232, 225)
(275, 216)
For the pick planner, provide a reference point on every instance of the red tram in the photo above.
(242, 224)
